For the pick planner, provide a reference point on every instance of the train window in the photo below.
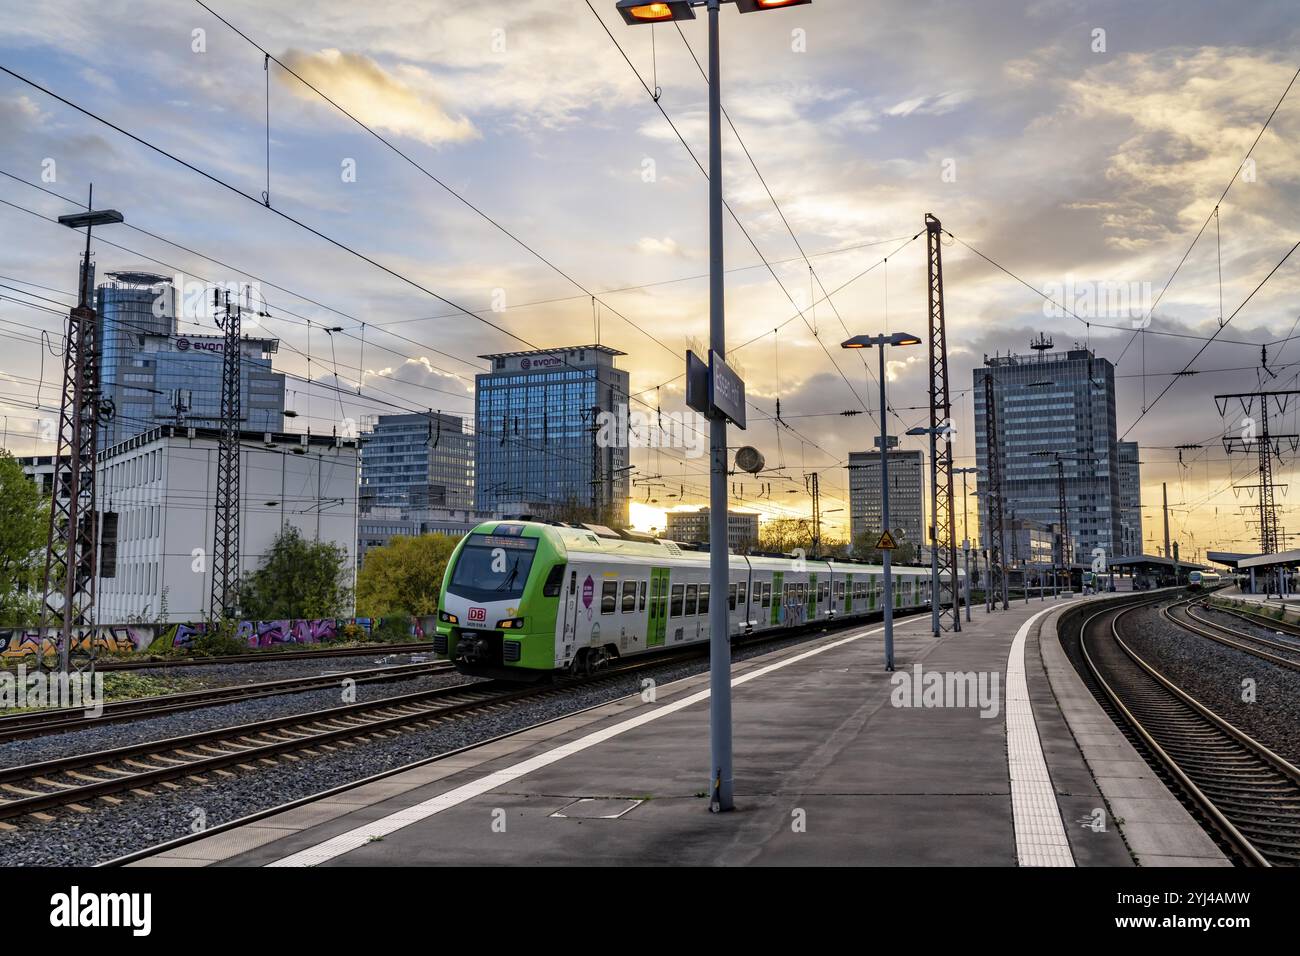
(641, 606)
(731, 597)
(704, 599)
(553, 581)
(608, 597)
(692, 595)
(741, 588)
(767, 594)
(675, 608)
(629, 597)
(573, 582)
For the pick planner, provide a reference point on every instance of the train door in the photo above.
(658, 608)
(814, 593)
(778, 596)
(570, 614)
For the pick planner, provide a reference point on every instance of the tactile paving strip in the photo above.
(1040, 834)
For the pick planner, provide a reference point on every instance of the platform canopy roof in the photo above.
(1230, 558)
(1271, 560)
(1153, 561)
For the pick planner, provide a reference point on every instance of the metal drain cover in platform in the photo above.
(597, 808)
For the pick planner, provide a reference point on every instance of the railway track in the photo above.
(58, 720)
(361, 650)
(75, 782)
(32, 791)
(1275, 652)
(1284, 627)
(1245, 793)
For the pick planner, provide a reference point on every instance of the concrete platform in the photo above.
(832, 768)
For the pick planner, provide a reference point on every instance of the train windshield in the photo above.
(493, 567)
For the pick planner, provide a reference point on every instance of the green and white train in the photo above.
(523, 599)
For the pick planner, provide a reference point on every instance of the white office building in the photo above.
(157, 493)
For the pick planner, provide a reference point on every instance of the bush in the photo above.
(221, 639)
(393, 629)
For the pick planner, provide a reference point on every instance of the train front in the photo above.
(497, 612)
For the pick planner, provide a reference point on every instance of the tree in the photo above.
(404, 576)
(575, 511)
(864, 549)
(297, 579)
(24, 524)
(785, 535)
(833, 546)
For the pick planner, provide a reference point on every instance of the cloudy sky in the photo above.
(1077, 144)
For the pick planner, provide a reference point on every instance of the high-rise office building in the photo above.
(906, 509)
(1053, 406)
(153, 375)
(1130, 499)
(417, 461)
(551, 433)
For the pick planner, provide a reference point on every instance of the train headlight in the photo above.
(511, 624)
(448, 618)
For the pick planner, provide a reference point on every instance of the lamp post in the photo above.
(965, 529)
(639, 12)
(880, 342)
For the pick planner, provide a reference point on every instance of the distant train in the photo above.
(522, 599)
(1203, 580)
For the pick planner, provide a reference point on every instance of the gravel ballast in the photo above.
(1214, 674)
(107, 736)
(1248, 627)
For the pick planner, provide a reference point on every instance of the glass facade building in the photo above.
(1061, 402)
(153, 375)
(551, 432)
(417, 461)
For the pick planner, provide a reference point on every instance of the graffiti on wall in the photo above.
(20, 642)
(16, 642)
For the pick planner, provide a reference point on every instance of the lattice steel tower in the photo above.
(943, 517)
(68, 591)
(1267, 445)
(224, 600)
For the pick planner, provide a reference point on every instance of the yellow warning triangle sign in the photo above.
(886, 542)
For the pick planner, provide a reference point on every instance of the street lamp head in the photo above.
(878, 341)
(918, 430)
(99, 217)
(638, 11)
(751, 6)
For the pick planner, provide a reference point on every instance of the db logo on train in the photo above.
(478, 614)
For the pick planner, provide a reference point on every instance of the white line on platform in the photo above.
(1040, 834)
(358, 837)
